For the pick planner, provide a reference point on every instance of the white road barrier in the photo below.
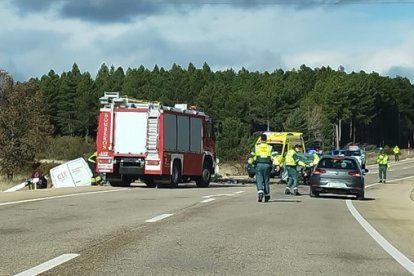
(16, 188)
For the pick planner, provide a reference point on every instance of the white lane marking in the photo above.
(60, 196)
(218, 195)
(392, 180)
(402, 178)
(397, 255)
(372, 185)
(48, 265)
(388, 247)
(207, 200)
(158, 218)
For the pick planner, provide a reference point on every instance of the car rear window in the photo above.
(331, 163)
(353, 153)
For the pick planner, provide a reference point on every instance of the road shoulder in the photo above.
(389, 208)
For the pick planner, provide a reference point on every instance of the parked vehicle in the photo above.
(338, 175)
(281, 142)
(340, 152)
(154, 143)
(358, 153)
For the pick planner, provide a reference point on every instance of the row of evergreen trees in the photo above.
(371, 108)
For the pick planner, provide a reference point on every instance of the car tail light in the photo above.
(319, 171)
(354, 173)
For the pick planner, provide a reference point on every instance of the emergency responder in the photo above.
(37, 173)
(316, 156)
(263, 161)
(396, 151)
(292, 160)
(96, 178)
(383, 165)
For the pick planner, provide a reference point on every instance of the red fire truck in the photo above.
(153, 143)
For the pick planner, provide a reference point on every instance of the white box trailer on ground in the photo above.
(152, 142)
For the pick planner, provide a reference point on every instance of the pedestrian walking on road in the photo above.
(292, 160)
(262, 160)
(383, 165)
(396, 151)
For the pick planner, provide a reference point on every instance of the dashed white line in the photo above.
(158, 218)
(388, 247)
(207, 200)
(217, 195)
(48, 265)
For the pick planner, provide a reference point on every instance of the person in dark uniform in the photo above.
(262, 160)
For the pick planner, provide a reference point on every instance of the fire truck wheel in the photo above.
(175, 175)
(203, 181)
(126, 181)
(149, 181)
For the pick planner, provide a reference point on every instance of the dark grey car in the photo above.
(338, 175)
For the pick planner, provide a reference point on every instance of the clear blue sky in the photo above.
(266, 35)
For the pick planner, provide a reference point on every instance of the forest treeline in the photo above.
(370, 108)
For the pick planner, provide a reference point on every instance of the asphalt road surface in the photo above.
(221, 230)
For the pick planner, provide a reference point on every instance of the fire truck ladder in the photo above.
(152, 134)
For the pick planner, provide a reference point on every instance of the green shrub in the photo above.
(67, 148)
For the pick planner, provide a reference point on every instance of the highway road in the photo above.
(221, 230)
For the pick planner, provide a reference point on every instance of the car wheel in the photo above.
(313, 193)
(360, 196)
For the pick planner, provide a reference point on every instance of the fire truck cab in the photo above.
(153, 143)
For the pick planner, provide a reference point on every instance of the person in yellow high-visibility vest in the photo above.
(263, 161)
(292, 160)
(396, 151)
(383, 165)
(96, 179)
(315, 156)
